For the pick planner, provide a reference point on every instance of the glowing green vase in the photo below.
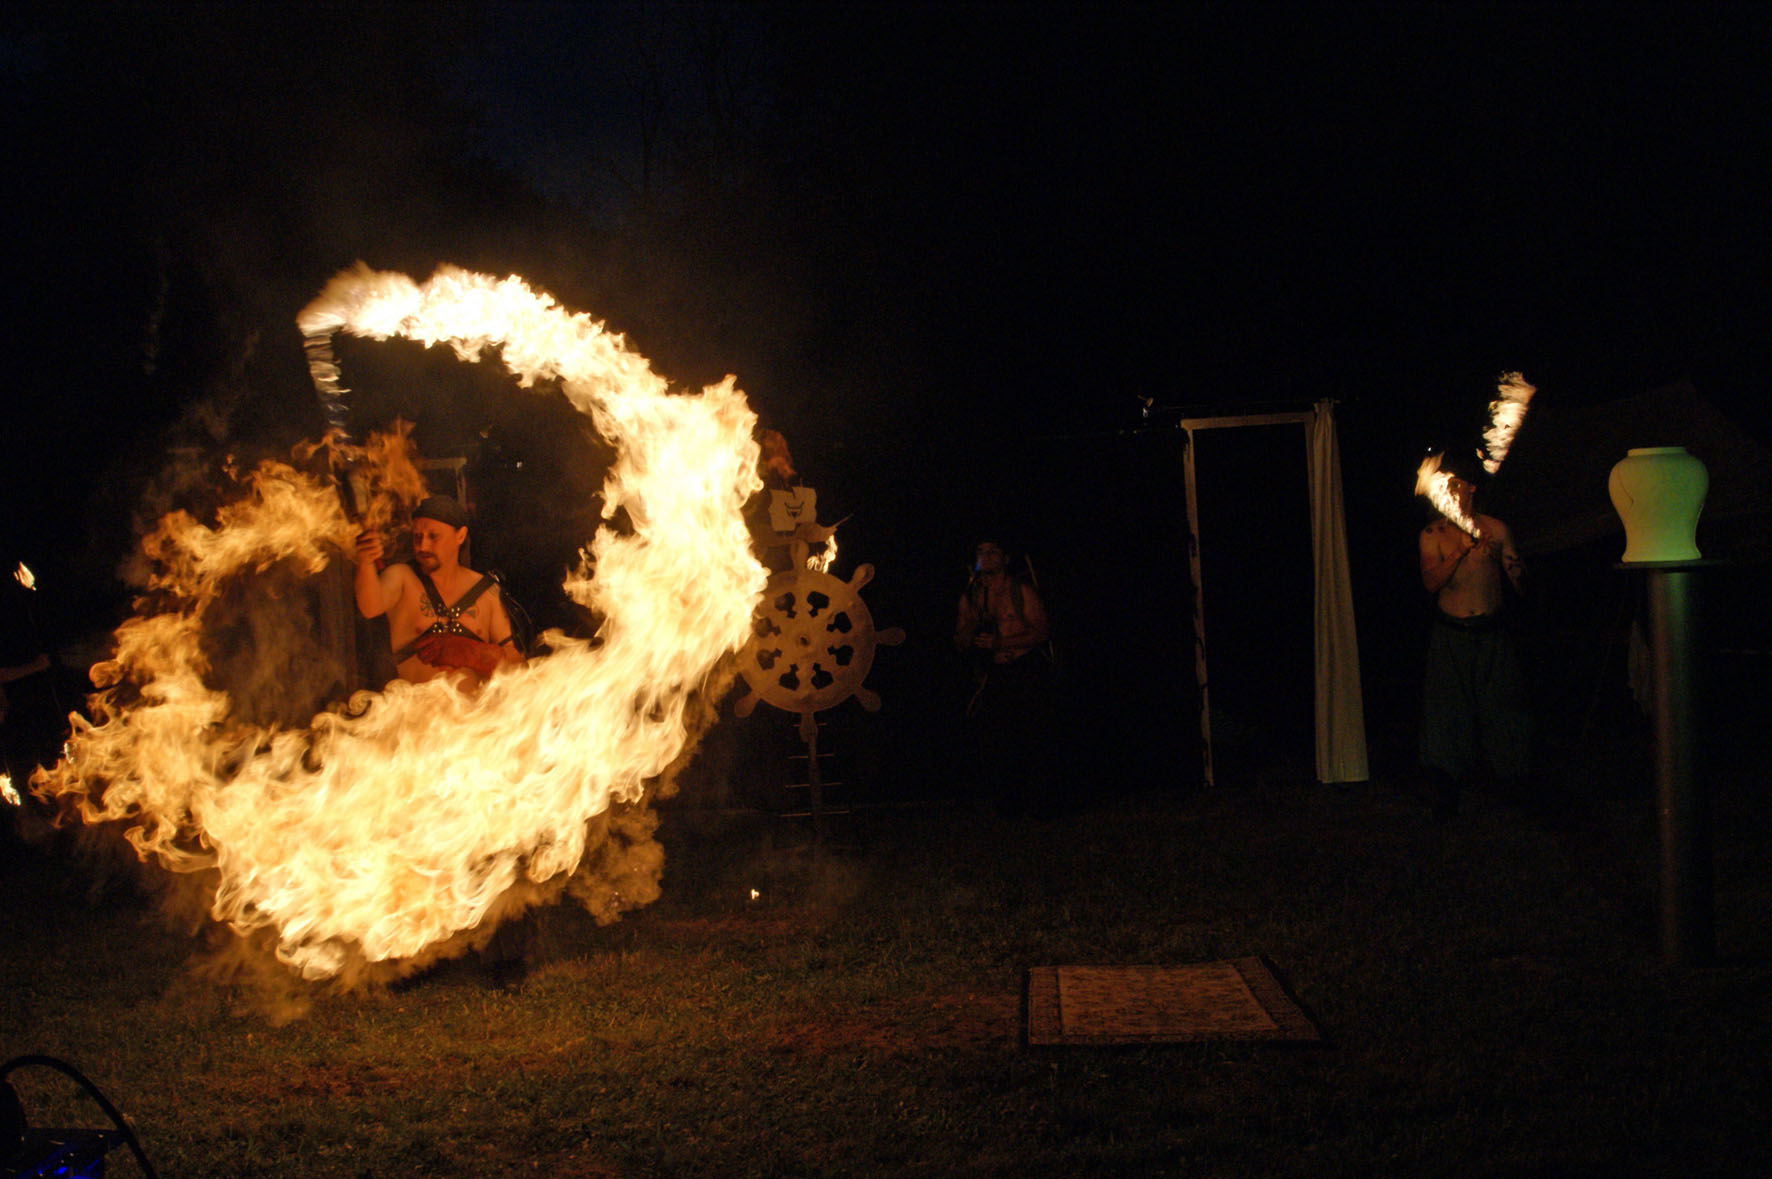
(1658, 492)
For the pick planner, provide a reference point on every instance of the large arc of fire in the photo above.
(382, 831)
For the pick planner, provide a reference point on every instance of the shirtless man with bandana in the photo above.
(443, 617)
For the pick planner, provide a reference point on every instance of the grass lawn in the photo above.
(1488, 988)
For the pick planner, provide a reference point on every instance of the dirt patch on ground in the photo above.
(973, 1020)
(734, 925)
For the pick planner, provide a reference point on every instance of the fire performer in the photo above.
(442, 616)
(1001, 625)
(33, 724)
(1474, 713)
(783, 517)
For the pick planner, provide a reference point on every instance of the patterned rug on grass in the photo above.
(1232, 1000)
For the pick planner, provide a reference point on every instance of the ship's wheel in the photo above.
(813, 644)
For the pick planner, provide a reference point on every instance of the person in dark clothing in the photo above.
(33, 720)
(1001, 626)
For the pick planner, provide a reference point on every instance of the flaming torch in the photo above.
(401, 828)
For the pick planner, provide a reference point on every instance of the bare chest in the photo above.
(1475, 586)
(1002, 606)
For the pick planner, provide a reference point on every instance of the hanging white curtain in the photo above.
(1341, 714)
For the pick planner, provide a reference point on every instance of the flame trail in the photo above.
(1506, 412)
(1436, 485)
(1512, 396)
(383, 832)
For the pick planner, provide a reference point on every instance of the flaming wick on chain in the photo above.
(1506, 412)
(1512, 396)
(1436, 485)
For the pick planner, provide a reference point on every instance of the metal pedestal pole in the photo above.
(1685, 888)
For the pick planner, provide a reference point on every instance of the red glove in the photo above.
(458, 651)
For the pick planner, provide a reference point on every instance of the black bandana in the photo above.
(442, 509)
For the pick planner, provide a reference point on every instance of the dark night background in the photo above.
(946, 249)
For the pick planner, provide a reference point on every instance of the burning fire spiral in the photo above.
(381, 832)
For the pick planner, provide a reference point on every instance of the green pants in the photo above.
(1475, 712)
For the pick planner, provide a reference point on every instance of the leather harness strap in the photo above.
(448, 617)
